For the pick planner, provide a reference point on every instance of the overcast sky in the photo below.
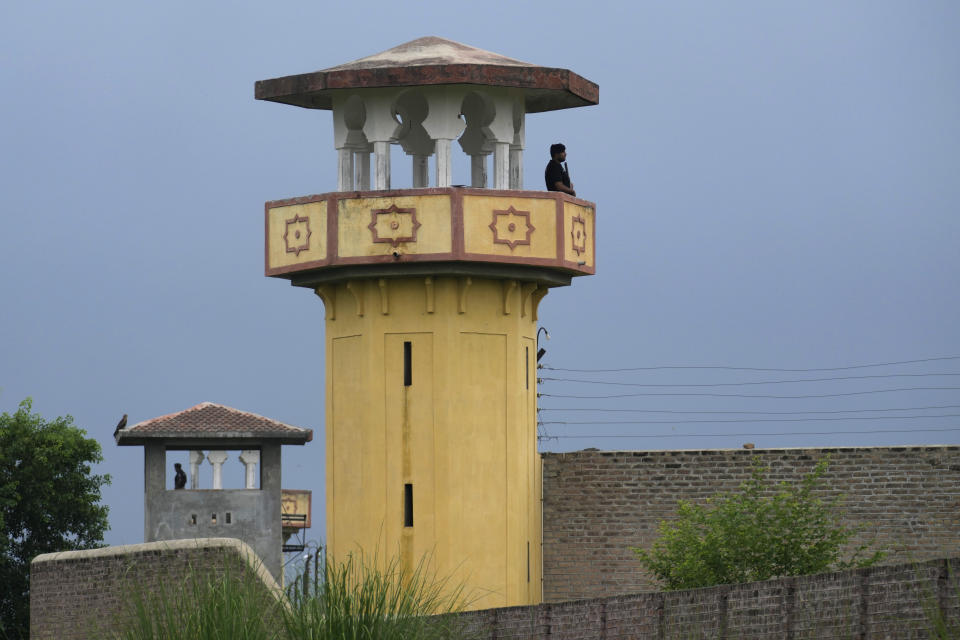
(777, 187)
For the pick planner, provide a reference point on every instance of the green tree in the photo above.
(756, 533)
(49, 501)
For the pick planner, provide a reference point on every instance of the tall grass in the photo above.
(354, 600)
(357, 600)
(202, 605)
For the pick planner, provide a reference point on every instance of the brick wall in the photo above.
(83, 594)
(889, 602)
(598, 504)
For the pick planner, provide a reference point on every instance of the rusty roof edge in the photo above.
(295, 89)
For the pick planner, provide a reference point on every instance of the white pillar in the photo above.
(250, 460)
(344, 169)
(196, 457)
(501, 165)
(443, 124)
(381, 153)
(444, 166)
(361, 164)
(421, 171)
(516, 167)
(217, 458)
(478, 171)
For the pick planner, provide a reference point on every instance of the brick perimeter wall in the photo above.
(82, 594)
(899, 602)
(598, 504)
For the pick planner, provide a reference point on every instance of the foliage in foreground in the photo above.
(355, 600)
(757, 533)
(49, 502)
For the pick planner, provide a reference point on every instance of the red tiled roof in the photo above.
(210, 421)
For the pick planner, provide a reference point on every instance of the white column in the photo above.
(361, 164)
(217, 458)
(250, 460)
(196, 457)
(381, 154)
(380, 128)
(443, 124)
(516, 167)
(444, 166)
(478, 171)
(421, 171)
(344, 169)
(501, 165)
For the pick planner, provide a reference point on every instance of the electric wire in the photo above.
(946, 415)
(740, 435)
(757, 382)
(734, 368)
(739, 395)
(725, 411)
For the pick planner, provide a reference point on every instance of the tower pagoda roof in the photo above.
(208, 422)
(434, 61)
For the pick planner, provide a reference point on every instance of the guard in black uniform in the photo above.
(556, 175)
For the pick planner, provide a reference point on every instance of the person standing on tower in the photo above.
(556, 175)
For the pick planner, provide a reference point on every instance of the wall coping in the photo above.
(246, 553)
(913, 447)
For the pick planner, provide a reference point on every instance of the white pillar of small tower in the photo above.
(196, 457)
(421, 171)
(478, 170)
(250, 460)
(500, 131)
(380, 128)
(444, 125)
(478, 112)
(519, 141)
(217, 458)
(361, 165)
(345, 169)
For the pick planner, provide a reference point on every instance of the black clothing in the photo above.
(555, 173)
(179, 479)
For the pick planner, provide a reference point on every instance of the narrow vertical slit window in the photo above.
(408, 503)
(228, 519)
(526, 362)
(528, 561)
(407, 364)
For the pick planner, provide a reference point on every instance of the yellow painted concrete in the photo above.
(479, 238)
(433, 236)
(462, 433)
(277, 218)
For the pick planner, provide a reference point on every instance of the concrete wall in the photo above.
(598, 504)
(85, 594)
(889, 602)
(254, 513)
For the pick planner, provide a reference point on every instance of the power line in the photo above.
(758, 382)
(948, 415)
(741, 435)
(790, 413)
(737, 395)
(731, 368)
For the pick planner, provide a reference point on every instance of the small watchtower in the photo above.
(210, 432)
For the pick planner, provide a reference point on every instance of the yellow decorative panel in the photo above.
(578, 234)
(415, 224)
(296, 234)
(510, 226)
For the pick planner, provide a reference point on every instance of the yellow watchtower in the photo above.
(431, 298)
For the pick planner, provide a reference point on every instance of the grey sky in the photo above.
(776, 184)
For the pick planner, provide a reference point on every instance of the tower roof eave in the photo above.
(434, 61)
